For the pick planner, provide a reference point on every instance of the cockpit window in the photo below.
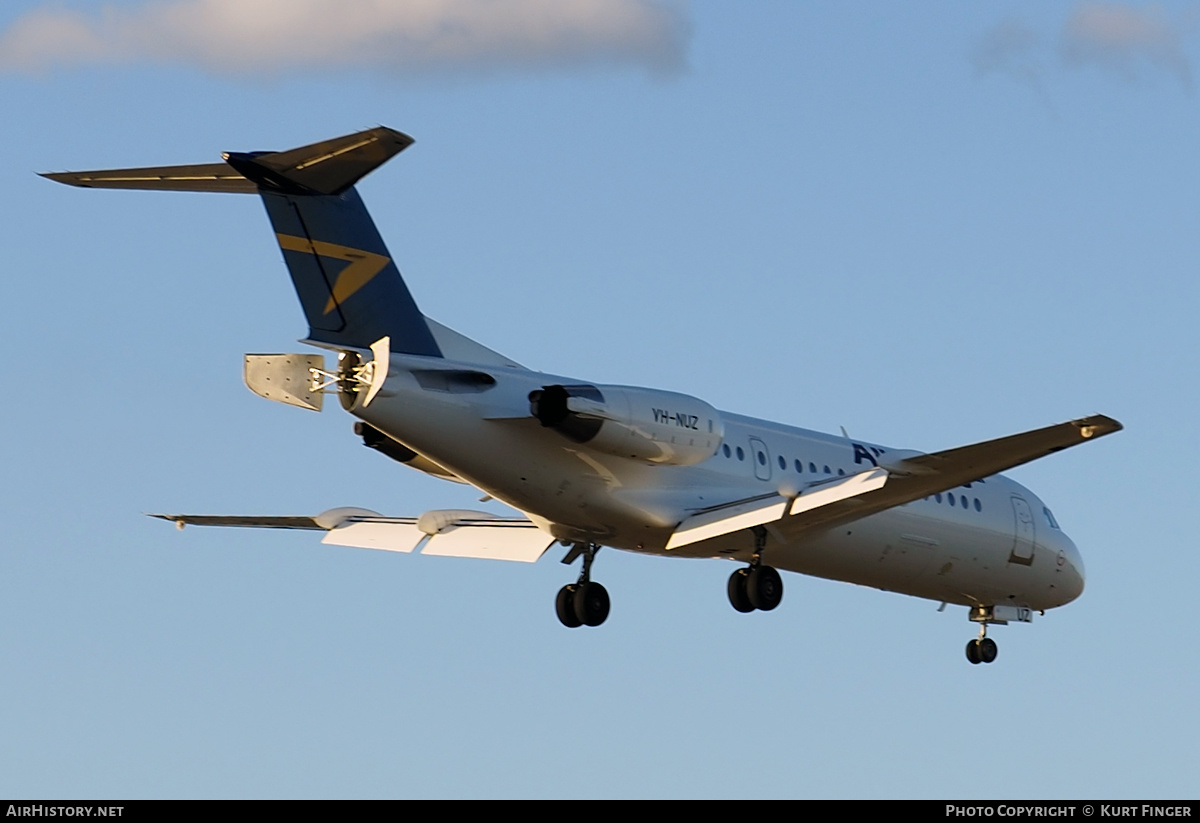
(1050, 518)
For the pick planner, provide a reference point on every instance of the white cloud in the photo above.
(397, 35)
(1118, 37)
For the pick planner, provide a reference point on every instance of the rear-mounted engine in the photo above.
(642, 424)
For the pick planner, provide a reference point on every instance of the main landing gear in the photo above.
(582, 603)
(757, 586)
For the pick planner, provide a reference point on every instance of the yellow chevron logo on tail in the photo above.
(364, 265)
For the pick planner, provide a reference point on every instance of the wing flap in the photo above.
(388, 536)
(745, 514)
(520, 542)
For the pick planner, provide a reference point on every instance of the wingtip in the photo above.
(1097, 425)
(56, 176)
(179, 520)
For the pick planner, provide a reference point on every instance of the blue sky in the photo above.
(931, 225)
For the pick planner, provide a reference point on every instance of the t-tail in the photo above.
(349, 287)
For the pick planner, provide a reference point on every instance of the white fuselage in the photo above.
(990, 542)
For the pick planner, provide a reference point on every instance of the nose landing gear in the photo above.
(582, 603)
(982, 649)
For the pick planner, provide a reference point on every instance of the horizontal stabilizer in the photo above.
(219, 177)
(328, 167)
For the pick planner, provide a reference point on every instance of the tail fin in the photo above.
(351, 291)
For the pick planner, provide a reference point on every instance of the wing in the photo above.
(898, 479)
(444, 532)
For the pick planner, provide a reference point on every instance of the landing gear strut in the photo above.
(582, 603)
(757, 586)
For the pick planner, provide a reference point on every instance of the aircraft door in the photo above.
(1024, 534)
(761, 457)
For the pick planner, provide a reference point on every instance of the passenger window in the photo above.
(725, 448)
(938, 496)
(782, 463)
(799, 467)
(741, 454)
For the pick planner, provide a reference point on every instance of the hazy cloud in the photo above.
(411, 36)
(1009, 47)
(1119, 37)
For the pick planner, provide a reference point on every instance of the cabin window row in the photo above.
(780, 459)
(958, 501)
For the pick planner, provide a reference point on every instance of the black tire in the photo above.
(973, 652)
(738, 598)
(591, 604)
(987, 650)
(564, 606)
(764, 588)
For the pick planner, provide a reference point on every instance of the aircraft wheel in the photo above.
(738, 596)
(764, 588)
(591, 604)
(987, 650)
(973, 652)
(564, 605)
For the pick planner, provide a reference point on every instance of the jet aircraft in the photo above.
(590, 465)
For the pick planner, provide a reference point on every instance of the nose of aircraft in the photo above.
(1070, 565)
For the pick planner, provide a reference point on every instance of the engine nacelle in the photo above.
(642, 424)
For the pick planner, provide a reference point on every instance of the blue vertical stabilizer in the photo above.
(349, 286)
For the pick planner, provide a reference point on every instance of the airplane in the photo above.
(589, 465)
